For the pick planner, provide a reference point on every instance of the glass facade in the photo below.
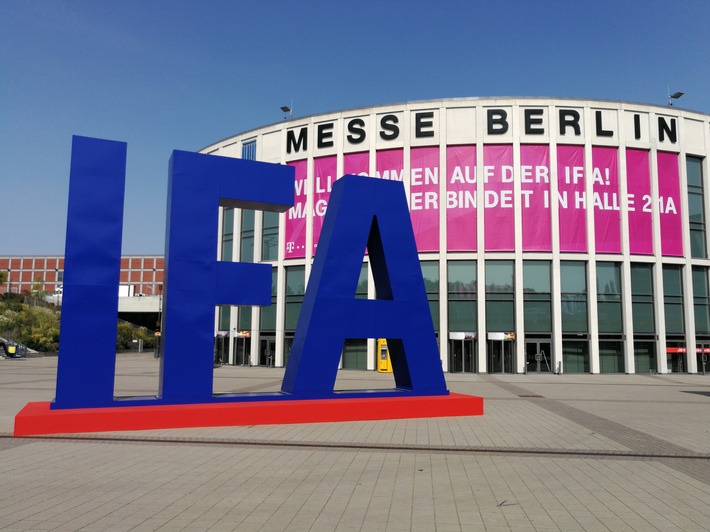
(295, 290)
(268, 314)
(270, 237)
(227, 234)
(642, 298)
(573, 285)
(696, 208)
(249, 150)
(609, 297)
(673, 298)
(635, 250)
(462, 299)
(500, 296)
(247, 236)
(701, 300)
(430, 271)
(537, 296)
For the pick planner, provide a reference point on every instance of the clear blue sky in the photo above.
(164, 75)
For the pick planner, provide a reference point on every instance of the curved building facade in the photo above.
(555, 235)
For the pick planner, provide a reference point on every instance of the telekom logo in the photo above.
(362, 213)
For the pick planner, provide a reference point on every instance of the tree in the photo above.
(38, 290)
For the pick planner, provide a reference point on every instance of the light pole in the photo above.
(287, 109)
(673, 96)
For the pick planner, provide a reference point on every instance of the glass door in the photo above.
(242, 349)
(500, 356)
(462, 356)
(267, 351)
(703, 350)
(538, 354)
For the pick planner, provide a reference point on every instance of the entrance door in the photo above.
(242, 349)
(703, 350)
(500, 356)
(267, 351)
(538, 354)
(462, 356)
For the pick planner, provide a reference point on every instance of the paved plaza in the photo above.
(552, 452)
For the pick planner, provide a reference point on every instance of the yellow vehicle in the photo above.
(384, 365)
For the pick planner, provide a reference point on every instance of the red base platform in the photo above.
(37, 418)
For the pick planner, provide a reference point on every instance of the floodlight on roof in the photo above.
(673, 96)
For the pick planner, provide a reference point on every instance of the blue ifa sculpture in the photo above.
(363, 213)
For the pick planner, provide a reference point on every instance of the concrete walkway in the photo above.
(568, 452)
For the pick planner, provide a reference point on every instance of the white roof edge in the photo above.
(454, 99)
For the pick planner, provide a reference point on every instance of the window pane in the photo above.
(355, 354)
(271, 220)
(702, 319)
(295, 280)
(247, 249)
(244, 319)
(227, 249)
(672, 282)
(536, 276)
(700, 281)
(695, 208)
(608, 278)
(643, 318)
(695, 171)
(697, 243)
(575, 356)
(228, 221)
(538, 316)
(642, 279)
(462, 276)
(270, 236)
(224, 312)
(573, 277)
(268, 318)
(434, 309)
(611, 357)
(500, 316)
(430, 272)
(247, 220)
(463, 316)
(247, 236)
(292, 312)
(361, 291)
(609, 317)
(499, 276)
(674, 318)
(574, 313)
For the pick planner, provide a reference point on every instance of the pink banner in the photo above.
(571, 199)
(669, 205)
(498, 198)
(390, 164)
(535, 197)
(324, 175)
(356, 163)
(607, 203)
(296, 216)
(424, 197)
(638, 187)
(461, 198)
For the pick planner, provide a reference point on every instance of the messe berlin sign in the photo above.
(363, 213)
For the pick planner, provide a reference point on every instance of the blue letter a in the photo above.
(365, 212)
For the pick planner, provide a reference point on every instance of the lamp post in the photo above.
(288, 109)
(673, 96)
